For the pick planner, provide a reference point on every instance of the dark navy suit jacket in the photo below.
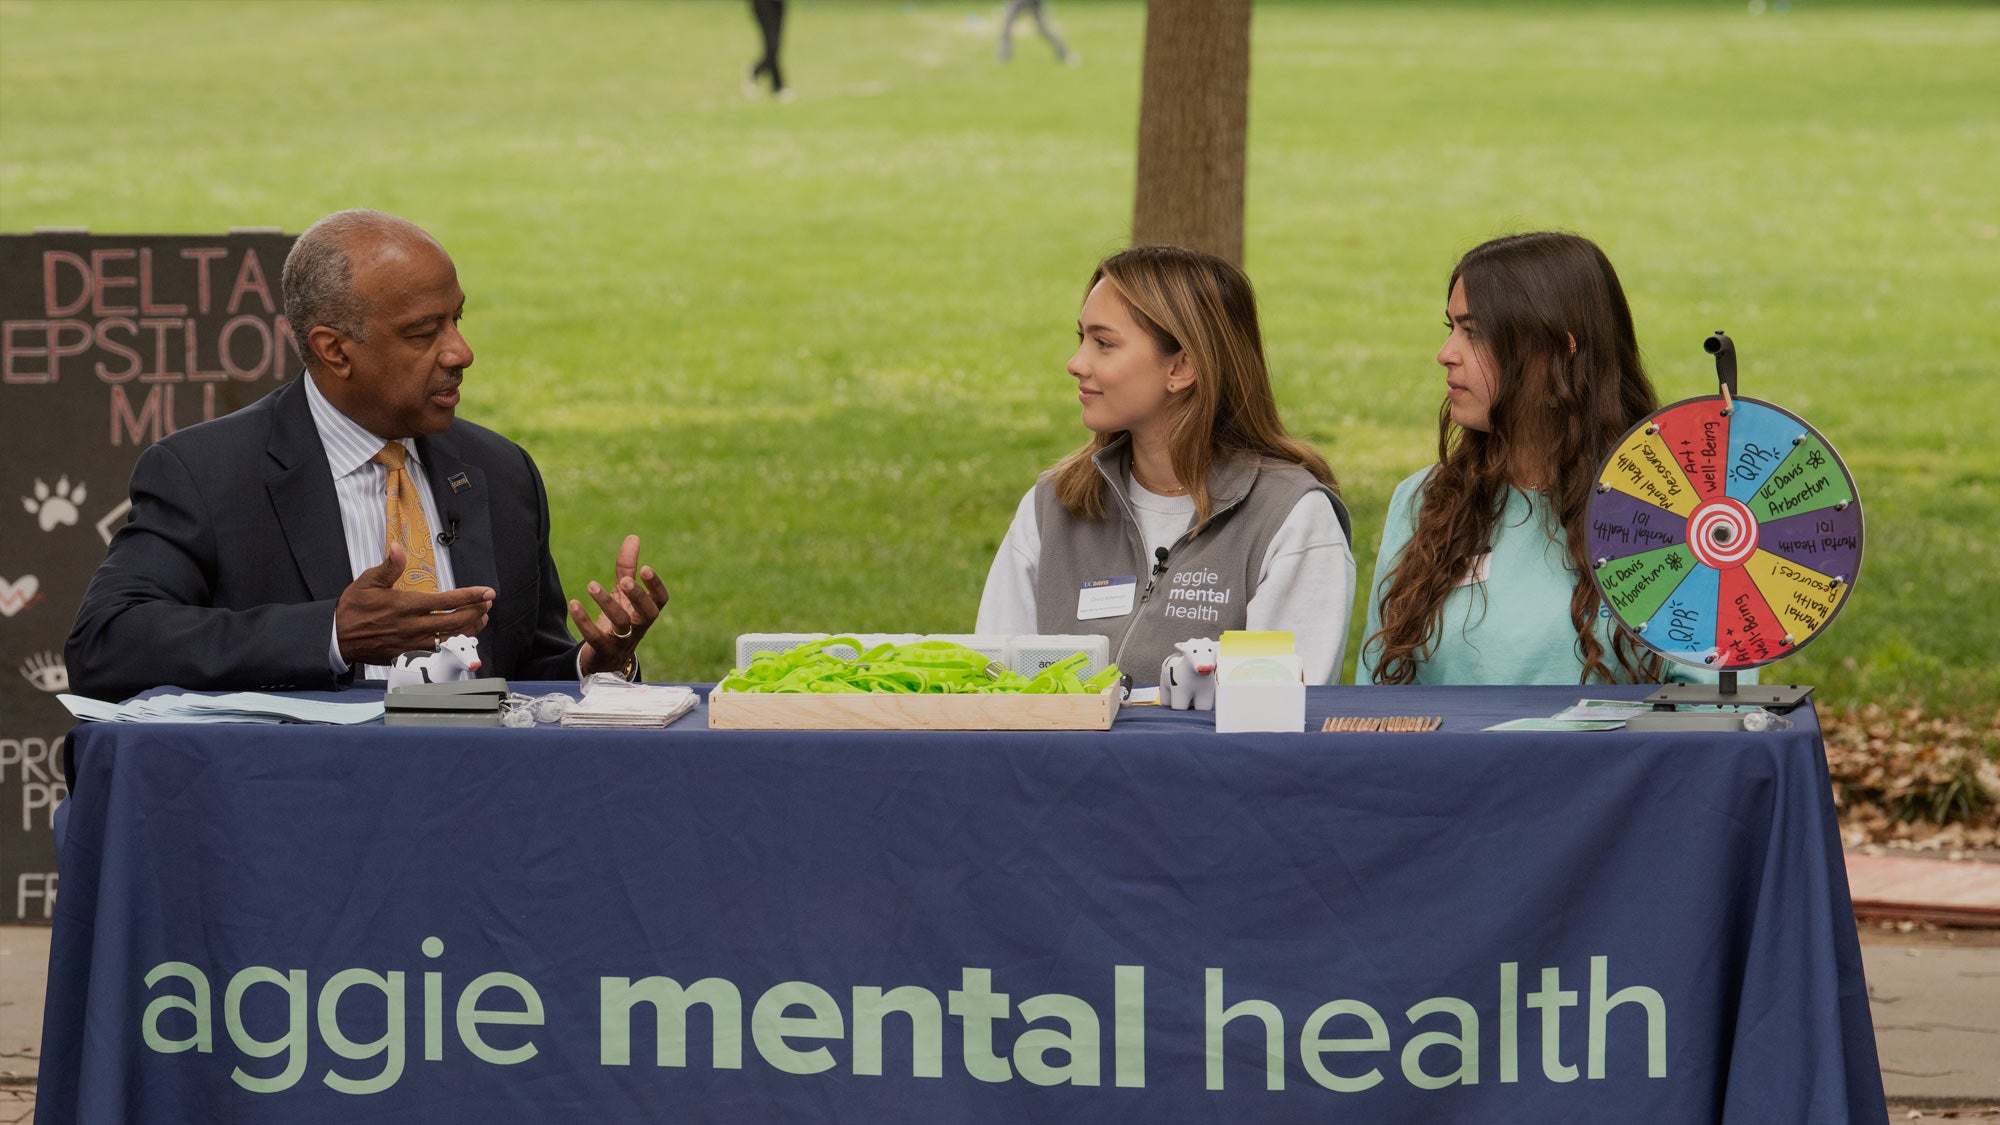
(227, 573)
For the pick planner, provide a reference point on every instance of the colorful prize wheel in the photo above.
(1726, 533)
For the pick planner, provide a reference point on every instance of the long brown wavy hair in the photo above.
(1193, 301)
(1555, 415)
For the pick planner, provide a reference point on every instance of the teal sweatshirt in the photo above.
(1508, 620)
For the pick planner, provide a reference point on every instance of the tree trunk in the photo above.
(1194, 114)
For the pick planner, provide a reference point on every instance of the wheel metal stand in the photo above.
(1724, 693)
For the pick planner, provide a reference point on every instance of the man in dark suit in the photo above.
(277, 547)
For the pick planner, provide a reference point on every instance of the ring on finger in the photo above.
(623, 634)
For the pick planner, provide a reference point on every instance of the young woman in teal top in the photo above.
(1482, 576)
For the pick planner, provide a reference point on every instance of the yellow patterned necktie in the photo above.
(405, 522)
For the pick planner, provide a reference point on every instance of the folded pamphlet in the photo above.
(230, 707)
(616, 705)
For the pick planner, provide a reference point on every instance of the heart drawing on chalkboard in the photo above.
(19, 594)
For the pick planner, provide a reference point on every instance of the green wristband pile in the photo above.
(937, 667)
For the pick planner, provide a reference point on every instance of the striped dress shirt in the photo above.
(361, 485)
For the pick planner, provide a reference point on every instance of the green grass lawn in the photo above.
(814, 352)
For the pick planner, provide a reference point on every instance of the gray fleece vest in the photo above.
(1205, 583)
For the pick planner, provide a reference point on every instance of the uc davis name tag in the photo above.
(1106, 597)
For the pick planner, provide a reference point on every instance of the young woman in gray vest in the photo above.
(1190, 510)
(1483, 576)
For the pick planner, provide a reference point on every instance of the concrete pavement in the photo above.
(1934, 996)
(24, 975)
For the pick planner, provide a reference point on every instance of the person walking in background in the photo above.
(1033, 8)
(770, 16)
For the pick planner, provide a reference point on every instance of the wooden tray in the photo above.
(894, 711)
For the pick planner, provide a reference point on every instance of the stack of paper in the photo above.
(235, 707)
(618, 704)
(1583, 715)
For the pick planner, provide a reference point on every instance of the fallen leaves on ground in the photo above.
(1907, 776)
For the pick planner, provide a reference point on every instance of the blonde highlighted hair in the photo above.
(1193, 302)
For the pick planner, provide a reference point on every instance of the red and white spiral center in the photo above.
(1722, 533)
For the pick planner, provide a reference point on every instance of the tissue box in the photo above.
(1259, 684)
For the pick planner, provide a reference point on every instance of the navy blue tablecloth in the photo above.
(1155, 923)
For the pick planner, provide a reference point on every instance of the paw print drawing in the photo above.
(47, 672)
(57, 507)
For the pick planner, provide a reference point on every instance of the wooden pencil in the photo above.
(1383, 724)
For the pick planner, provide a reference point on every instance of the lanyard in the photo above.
(938, 667)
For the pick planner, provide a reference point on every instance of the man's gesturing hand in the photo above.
(626, 611)
(376, 622)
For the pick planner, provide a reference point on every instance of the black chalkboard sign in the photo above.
(107, 344)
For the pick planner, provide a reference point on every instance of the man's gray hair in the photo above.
(319, 274)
